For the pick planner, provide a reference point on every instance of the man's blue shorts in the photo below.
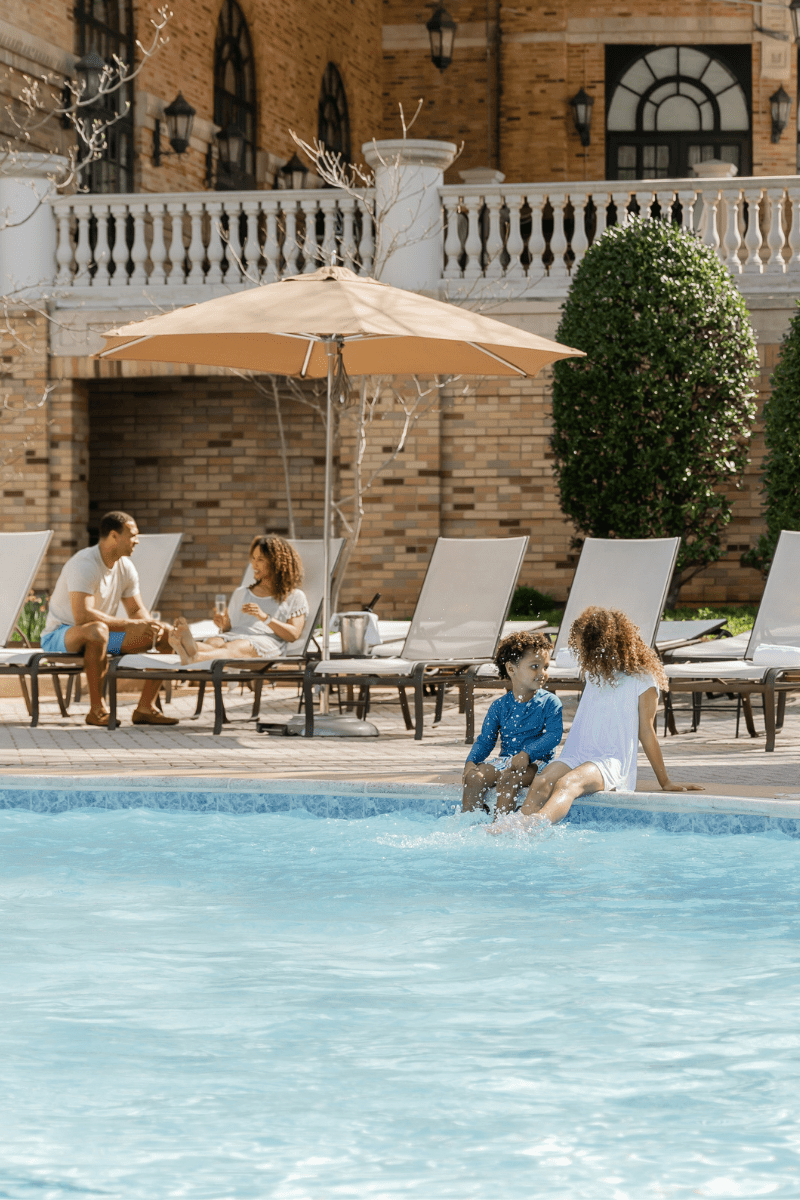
(53, 642)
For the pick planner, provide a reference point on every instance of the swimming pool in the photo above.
(212, 1005)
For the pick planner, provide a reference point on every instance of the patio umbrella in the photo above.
(313, 325)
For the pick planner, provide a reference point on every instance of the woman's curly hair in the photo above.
(284, 561)
(512, 648)
(605, 642)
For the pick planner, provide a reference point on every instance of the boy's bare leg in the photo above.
(478, 778)
(508, 785)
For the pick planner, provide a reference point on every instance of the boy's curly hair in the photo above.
(606, 641)
(286, 564)
(512, 648)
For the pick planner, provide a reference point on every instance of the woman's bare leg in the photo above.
(205, 652)
(186, 636)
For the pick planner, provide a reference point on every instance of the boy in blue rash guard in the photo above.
(528, 720)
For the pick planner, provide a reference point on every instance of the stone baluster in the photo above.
(793, 265)
(366, 245)
(271, 252)
(347, 245)
(536, 244)
(776, 237)
(215, 213)
(733, 237)
(83, 250)
(620, 200)
(708, 225)
(64, 249)
(311, 251)
(752, 238)
(452, 243)
(579, 242)
(558, 242)
(249, 248)
(138, 275)
(196, 251)
(291, 247)
(601, 205)
(158, 248)
(327, 255)
(102, 249)
(515, 243)
(665, 201)
(687, 200)
(473, 245)
(118, 264)
(493, 251)
(177, 250)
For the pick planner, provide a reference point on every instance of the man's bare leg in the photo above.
(134, 643)
(92, 641)
(477, 778)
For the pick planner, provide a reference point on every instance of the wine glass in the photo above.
(155, 616)
(220, 603)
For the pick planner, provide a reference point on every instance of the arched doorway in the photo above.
(671, 107)
(235, 93)
(333, 119)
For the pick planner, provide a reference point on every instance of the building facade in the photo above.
(223, 457)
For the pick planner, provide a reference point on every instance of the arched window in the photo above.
(106, 26)
(333, 121)
(676, 106)
(235, 92)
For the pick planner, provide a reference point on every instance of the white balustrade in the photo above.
(206, 239)
(495, 239)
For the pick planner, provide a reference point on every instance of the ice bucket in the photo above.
(354, 633)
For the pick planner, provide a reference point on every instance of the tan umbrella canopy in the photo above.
(305, 324)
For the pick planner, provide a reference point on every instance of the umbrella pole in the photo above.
(331, 349)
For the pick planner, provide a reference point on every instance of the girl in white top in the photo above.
(618, 706)
(263, 619)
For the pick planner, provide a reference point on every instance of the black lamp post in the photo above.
(582, 105)
(294, 174)
(780, 105)
(179, 116)
(794, 13)
(441, 30)
(90, 70)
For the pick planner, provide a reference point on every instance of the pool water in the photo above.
(221, 1006)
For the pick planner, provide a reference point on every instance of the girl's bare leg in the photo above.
(478, 778)
(508, 785)
(555, 796)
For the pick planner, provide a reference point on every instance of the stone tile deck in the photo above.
(712, 756)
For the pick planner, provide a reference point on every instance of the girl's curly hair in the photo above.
(606, 641)
(512, 648)
(284, 561)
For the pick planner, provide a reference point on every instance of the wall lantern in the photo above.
(794, 13)
(582, 104)
(779, 106)
(441, 30)
(294, 174)
(179, 116)
(90, 70)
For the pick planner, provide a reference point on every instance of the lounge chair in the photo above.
(153, 557)
(21, 556)
(457, 624)
(289, 668)
(771, 664)
(629, 574)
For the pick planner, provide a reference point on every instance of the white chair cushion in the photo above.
(365, 666)
(144, 662)
(777, 656)
(565, 659)
(16, 658)
(732, 669)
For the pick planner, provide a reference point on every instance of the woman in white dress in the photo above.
(262, 619)
(618, 707)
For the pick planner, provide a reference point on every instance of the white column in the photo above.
(28, 224)
(408, 207)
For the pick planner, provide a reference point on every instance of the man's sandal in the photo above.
(98, 716)
(152, 717)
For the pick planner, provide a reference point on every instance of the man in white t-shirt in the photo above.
(81, 618)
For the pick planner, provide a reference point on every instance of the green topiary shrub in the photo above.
(782, 463)
(655, 421)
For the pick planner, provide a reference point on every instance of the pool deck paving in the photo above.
(66, 747)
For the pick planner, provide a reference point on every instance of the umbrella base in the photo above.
(332, 725)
